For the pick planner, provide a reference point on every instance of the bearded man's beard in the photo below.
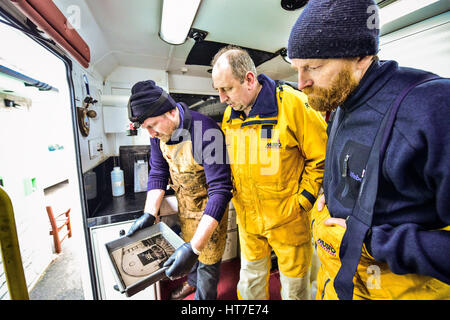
(165, 137)
(328, 99)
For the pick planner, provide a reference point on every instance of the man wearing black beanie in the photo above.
(381, 227)
(189, 148)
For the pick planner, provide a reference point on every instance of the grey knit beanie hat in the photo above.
(335, 29)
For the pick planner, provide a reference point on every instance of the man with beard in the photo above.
(381, 228)
(189, 148)
(276, 144)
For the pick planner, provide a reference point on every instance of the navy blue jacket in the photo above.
(413, 199)
(218, 173)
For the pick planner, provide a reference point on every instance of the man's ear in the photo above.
(361, 65)
(364, 62)
(251, 79)
(171, 113)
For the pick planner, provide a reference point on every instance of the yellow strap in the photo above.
(12, 261)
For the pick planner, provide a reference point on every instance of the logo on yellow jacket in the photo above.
(327, 247)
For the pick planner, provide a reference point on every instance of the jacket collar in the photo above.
(373, 80)
(266, 104)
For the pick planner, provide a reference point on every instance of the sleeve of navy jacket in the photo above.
(421, 246)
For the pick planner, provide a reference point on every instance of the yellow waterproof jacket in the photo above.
(276, 156)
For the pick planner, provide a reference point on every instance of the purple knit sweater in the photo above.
(216, 166)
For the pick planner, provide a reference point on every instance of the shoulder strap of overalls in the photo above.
(360, 221)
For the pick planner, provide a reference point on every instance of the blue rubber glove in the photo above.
(144, 221)
(181, 261)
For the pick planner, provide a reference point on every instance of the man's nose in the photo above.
(152, 132)
(223, 97)
(303, 80)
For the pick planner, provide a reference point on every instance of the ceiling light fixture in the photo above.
(177, 19)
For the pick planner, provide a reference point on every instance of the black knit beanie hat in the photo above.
(335, 29)
(148, 100)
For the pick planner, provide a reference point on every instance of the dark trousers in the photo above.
(205, 278)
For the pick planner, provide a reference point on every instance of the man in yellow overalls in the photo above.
(188, 148)
(276, 144)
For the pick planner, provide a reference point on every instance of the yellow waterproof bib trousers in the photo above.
(373, 279)
(294, 260)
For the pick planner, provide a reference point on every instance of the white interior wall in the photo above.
(188, 84)
(96, 131)
(126, 77)
(120, 82)
(424, 45)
